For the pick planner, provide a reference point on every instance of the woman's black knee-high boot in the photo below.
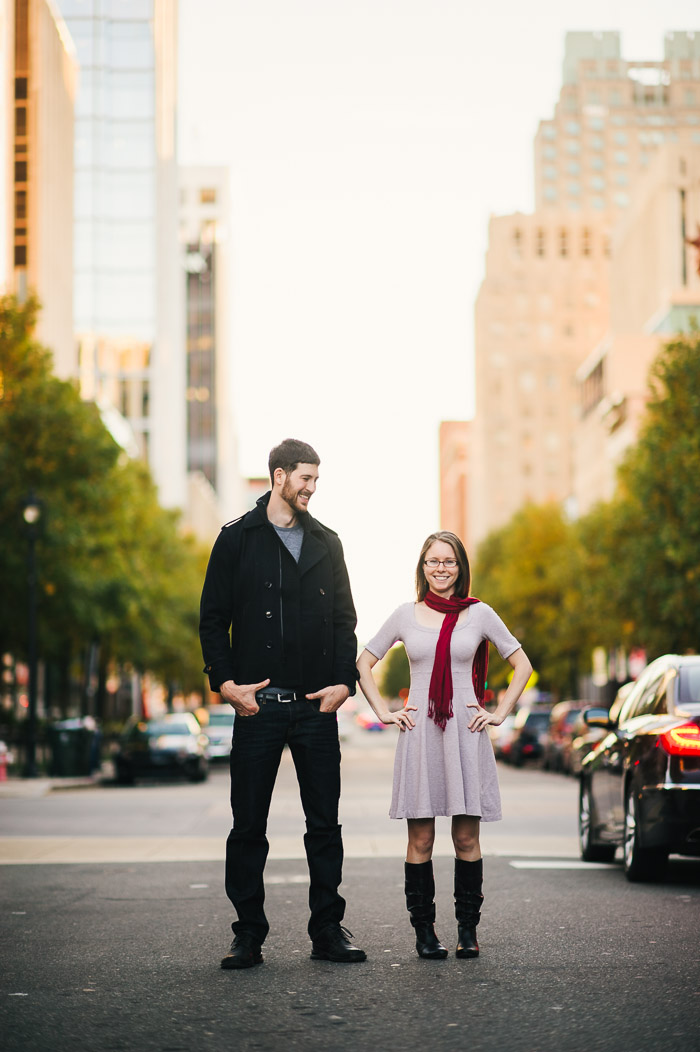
(469, 878)
(420, 903)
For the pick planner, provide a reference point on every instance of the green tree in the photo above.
(396, 673)
(655, 568)
(527, 572)
(113, 567)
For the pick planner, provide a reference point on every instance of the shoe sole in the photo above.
(465, 955)
(237, 965)
(319, 955)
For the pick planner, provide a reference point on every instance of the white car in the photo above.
(219, 731)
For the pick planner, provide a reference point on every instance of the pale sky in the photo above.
(368, 142)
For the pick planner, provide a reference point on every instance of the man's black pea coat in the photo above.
(263, 616)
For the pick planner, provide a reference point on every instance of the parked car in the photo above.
(219, 730)
(640, 785)
(586, 738)
(502, 737)
(173, 744)
(528, 730)
(557, 739)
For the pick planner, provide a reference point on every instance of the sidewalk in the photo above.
(15, 787)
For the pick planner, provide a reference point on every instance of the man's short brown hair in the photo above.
(289, 454)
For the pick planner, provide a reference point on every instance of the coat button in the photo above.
(269, 646)
(268, 584)
(322, 591)
(325, 652)
(268, 613)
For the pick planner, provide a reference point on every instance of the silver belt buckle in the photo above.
(283, 701)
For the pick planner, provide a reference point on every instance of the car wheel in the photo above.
(590, 851)
(641, 864)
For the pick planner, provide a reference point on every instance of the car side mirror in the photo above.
(597, 718)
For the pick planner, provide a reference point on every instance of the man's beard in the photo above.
(289, 494)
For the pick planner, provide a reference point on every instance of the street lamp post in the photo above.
(31, 513)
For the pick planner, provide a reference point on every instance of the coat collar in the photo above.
(314, 547)
(258, 517)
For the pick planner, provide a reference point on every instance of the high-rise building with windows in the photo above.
(205, 218)
(129, 313)
(543, 313)
(36, 121)
(610, 117)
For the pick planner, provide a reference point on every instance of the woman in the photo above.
(444, 759)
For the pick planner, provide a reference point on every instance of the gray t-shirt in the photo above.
(292, 538)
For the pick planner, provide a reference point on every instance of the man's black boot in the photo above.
(245, 952)
(469, 877)
(333, 944)
(420, 903)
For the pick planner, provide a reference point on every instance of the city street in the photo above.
(114, 919)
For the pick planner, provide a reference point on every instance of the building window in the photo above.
(20, 255)
(597, 183)
(620, 157)
(598, 203)
(20, 87)
(207, 195)
(518, 242)
(549, 131)
(621, 138)
(573, 128)
(574, 189)
(20, 171)
(549, 153)
(597, 163)
(597, 143)
(573, 168)
(573, 146)
(622, 200)
(550, 171)
(621, 179)
(21, 121)
(586, 241)
(20, 204)
(540, 242)
(550, 193)
(563, 242)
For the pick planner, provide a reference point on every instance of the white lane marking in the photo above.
(298, 878)
(548, 863)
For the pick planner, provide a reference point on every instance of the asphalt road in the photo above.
(125, 955)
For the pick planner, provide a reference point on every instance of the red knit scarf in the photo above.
(440, 690)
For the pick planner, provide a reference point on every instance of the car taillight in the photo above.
(681, 741)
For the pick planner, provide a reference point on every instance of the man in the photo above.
(277, 579)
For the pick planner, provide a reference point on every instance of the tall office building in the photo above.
(205, 217)
(544, 305)
(36, 122)
(129, 312)
(610, 117)
(654, 294)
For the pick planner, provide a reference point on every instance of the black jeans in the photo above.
(258, 742)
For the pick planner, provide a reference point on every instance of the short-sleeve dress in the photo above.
(450, 772)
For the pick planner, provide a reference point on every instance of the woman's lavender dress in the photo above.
(450, 772)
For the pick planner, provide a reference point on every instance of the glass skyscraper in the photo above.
(127, 301)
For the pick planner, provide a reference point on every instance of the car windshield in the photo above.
(538, 719)
(689, 687)
(156, 729)
(220, 719)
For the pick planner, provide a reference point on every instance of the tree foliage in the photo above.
(395, 672)
(113, 566)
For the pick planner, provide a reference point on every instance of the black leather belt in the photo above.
(272, 694)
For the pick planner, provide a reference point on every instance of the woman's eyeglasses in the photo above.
(449, 564)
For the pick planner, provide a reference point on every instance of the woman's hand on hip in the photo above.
(482, 718)
(403, 720)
